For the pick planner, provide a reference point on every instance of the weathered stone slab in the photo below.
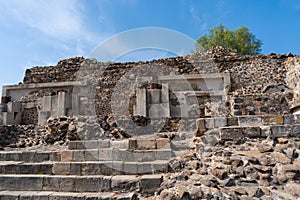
(124, 183)
(145, 168)
(88, 184)
(149, 183)
(220, 122)
(232, 121)
(272, 120)
(130, 167)
(61, 168)
(106, 183)
(163, 143)
(105, 154)
(251, 132)
(281, 131)
(250, 121)
(232, 133)
(91, 155)
(51, 183)
(119, 144)
(146, 144)
(67, 156)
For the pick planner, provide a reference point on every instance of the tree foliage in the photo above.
(240, 39)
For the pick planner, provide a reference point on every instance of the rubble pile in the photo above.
(254, 169)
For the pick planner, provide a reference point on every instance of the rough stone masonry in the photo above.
(231, 122)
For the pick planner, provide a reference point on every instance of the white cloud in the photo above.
(202, 21)
(63, 20)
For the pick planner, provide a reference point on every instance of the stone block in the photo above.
(78, 155)
(105, 184)
(10, 168)
(296, 119)
(144, 156)
(295, 131)
(105, 154)
(26, 195)
(7, 183)
(75, 168)
(124, 183)
(123, 144)
(132, 144)
(150, 183)
(146, 144)
(232, 133)
(67, 156)
(272, 120)
(130, 167)
(72, 145)
(28, 156)
(92, 144)
(13, 156)
(44, 195)
(55, 156)
(250, 121)
(105, 168)
(209, 123)
(89, 168)
(67, 184)
(41, 156)
(61, 168)
(34, 168)
(163, 154)
(281, 131)
(117, 168)
(91, 155)
(66, 196)
(159, 167)
(201, 129)
(34, 183)
(162, 143)
(121, 155)
(88, 184)
(10, 195)
(232, 121)
(265, 131)
(103, 143)
(220, 122)
(288, 119)
(51, 183)
(251, 132)
(145, 168)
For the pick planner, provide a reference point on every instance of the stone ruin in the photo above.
(222, 126)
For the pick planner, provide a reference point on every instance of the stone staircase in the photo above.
(241, 127)
(96, 169)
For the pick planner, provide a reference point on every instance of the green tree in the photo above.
(240, 39)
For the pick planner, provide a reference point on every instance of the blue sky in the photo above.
(42, 32)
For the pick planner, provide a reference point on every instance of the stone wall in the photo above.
(62, 72)
(249, 75)
(263, 104)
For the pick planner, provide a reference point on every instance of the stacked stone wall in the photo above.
(249, 76)
(263, 104)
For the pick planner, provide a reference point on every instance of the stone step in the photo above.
(59, 183)
(14, 167)
(110, 168)
(132, 144)
(85, 168)
(41, 195)
(30, 156)
(248, 120)
(115, 154)
(274, 131)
